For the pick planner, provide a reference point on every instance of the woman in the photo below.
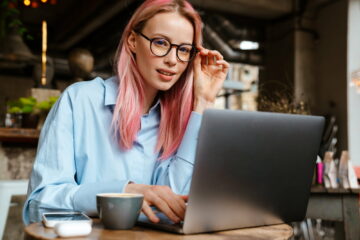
(135, 132)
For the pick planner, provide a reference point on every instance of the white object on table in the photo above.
(73, 229)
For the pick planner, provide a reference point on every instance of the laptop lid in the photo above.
(251, 169)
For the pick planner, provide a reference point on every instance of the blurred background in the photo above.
(291, 56)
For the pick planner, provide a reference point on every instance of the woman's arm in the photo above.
(171, 178)
(53, 183)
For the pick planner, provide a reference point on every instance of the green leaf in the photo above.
(44, 105)
(52, 100)
(14, 110)
(27, 109)
(28, 101)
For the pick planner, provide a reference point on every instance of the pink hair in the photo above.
(176, 103)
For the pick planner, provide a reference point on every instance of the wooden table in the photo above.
(278, 232)
(19, 135)
(336, 205)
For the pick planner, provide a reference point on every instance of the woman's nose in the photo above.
(171, 58)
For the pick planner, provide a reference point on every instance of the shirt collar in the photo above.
(156, 106)
(111, 91)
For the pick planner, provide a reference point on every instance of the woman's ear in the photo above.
(131, 41)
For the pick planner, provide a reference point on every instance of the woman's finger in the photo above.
(163, 207)
(197, 64)
(146, 209)
(204, 60)
(217, 54)
(179, 206)
(184, 197)
(204, 51)
(214, 56)
(175, 203)
(225, 65)
(200, 48)
(211, 59)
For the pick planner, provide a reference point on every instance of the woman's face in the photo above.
(161, 73)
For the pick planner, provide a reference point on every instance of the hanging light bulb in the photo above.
(37, 3)
(27, 3)
(34, 4)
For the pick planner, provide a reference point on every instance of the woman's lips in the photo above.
(166, 75)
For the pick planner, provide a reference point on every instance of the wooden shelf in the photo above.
(322, 189)
(19, 135)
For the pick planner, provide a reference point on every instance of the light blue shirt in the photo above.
(77, 156)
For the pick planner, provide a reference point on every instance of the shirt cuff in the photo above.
(187, 148)
(85, 197)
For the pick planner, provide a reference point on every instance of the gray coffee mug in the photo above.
(119, 210)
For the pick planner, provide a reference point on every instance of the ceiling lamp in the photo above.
(244, 45)
(248, 45)
(38, 3)
(14, 50)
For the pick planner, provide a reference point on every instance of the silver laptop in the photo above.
(251, 169)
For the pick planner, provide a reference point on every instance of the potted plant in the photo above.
(32, 113)
(27, 108)
(12, 30)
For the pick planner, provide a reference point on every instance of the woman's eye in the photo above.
(161, 42)
(184, 49)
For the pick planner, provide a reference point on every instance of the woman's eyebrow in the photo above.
(167, 38)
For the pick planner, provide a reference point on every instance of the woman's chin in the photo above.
(164, 86)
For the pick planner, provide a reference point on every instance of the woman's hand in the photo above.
(163, 198)
(210, 71)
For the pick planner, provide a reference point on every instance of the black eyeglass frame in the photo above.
(171, 46)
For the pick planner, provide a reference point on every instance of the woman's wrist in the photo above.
(129, 188)
(200, 104)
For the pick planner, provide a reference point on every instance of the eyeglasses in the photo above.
(161, 47)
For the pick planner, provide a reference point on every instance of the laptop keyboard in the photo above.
(165, 220)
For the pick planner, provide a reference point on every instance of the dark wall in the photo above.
(331, 66)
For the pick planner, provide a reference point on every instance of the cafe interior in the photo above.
(286, 56)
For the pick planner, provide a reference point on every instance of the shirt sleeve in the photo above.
(176, 172)
(53, 185)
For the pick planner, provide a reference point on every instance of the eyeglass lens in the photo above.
(161, 47)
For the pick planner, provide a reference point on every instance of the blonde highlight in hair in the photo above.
(176, 103)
